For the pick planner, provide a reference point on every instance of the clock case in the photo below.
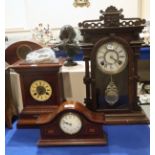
(30, 72)
(91, 132)
(31, 107)
(112, 26)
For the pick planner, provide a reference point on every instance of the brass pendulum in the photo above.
(111, 93)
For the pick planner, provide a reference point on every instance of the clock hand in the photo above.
(113, 58)
(70, 124)
(118, 61)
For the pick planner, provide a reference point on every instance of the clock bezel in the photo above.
(119, 69)
(75, 114)
(112, 37)
(105, 40)
(37, 99)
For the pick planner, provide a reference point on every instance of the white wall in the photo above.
(24, 15)
(29, 13)
(15, 14)
(60, 12)
(145, 9)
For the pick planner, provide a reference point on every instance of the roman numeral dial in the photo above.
(40, 90)
(111, 57)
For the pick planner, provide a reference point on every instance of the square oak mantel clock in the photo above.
(41, 90)
(111, 46)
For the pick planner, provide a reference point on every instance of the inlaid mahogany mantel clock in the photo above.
(111, 48)
(71, 124)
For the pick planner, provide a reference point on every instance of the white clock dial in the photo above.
(70, 123)
(111, 58)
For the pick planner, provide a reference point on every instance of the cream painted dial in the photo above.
(111, 57)
(70, 123)
(40, 90)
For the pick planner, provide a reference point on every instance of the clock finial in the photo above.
(111, 17)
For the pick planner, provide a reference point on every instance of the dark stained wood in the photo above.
(127, 118)
(111, 17)
(91, 132)
(72, 142)
(12, 56)
(23, 64)
(73, 105)
(112, 26)
(30, 114)
(93, 67)
(49, 72)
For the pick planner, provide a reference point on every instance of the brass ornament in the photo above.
(81, 3)
(111, 93)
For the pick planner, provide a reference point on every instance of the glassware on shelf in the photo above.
(43, 34)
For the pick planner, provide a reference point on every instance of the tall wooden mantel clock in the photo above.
(41, 90)
(111, 48)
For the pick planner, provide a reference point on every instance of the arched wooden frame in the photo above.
(131, 67)
(12, 51)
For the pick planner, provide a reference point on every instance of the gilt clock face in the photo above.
(40, 90)
(70, 123)
(111, 57)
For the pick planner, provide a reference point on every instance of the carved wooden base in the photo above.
(59, 142)
(126, 118)
(30, 114)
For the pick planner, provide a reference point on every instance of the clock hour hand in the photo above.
(70, 124)
(118, 61)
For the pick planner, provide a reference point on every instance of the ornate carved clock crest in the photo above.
(111, 48)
